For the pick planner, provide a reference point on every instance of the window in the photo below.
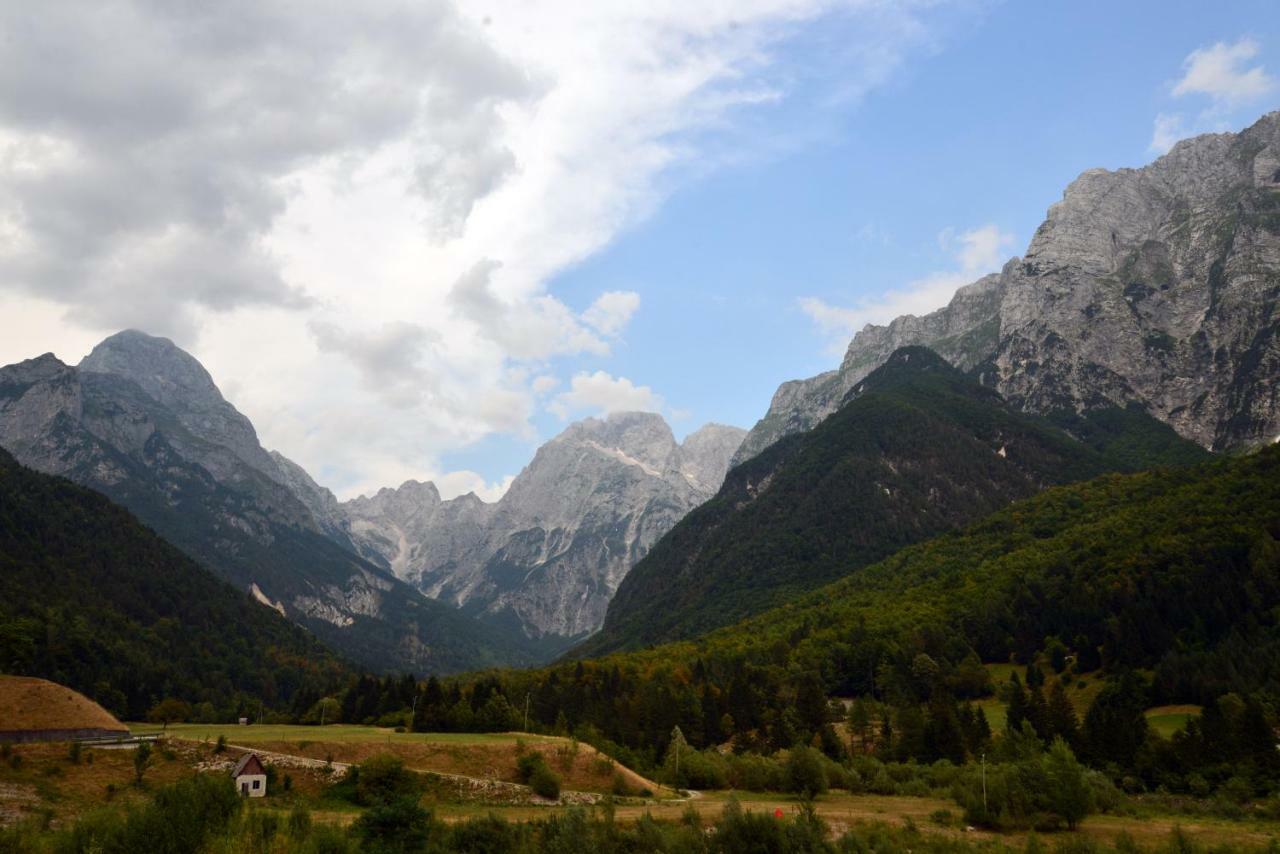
(257, 783)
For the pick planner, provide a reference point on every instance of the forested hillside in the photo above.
(1175, 571)
(91, 598)
(919, 448)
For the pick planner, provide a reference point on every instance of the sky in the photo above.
(416, 240)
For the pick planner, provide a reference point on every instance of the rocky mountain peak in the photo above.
(1158, 286)
(705, 454)
(177, 380)
(644, 437)
(163, 369)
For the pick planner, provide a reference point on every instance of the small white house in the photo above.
(250, 777)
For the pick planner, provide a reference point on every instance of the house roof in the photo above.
(248, 764)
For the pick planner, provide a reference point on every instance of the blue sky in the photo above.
(987, 126)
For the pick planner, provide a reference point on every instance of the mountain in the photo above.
(1157, 285)
(919, 448)
(141, 421)
(548, 556)
(1175, 571)
(91, 598)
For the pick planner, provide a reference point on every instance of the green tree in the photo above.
(1069, 795)
(805, 774)
(1062, 721)
(169, 710)
(141, 757)
(1115, 727)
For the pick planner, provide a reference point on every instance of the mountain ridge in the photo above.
(1154, 285)
(917, 449)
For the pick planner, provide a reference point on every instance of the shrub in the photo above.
(73, 752)
(141, 756)
(1041, 791)
(545, 783)
(527, 763)
(383, 779)
(805, 774)
(398, 825)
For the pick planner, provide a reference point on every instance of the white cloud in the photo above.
(1218, 71)
(977, 252)
(457, 483)
(599, 394)
(1223, 74)
(544, 383)
(611, 312)
(351, 213)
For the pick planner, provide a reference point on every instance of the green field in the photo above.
(259, 733)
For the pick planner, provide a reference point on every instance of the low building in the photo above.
(250, 777)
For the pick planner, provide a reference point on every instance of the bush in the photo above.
(526, 764)
(397, 825)
(805, 773)
(1042, 791)
(180, 819)
(545, 783)
(381, 780)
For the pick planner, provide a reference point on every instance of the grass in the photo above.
(28, 703)
(1082, 689)
(1166, 720)
(333, 733)
(483, 756)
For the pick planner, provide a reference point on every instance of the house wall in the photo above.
(248, 780)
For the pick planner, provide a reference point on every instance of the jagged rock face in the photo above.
(179, 383)
(1157, 285)
(142, 422)
(550, 554)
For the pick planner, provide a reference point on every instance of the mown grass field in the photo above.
(333, 733)
(930, 815)
(49, 781)
(482, 756)
(1082, 689)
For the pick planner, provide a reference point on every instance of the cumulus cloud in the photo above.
(1219, 71)
(611, 312)
(977, 252)
(600, 393)
(390, 358)
(535, 327)
(351, 213)
(1223, 73)
(147, 148)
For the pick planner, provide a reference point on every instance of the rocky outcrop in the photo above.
(142, 422)
(550, 554)
(1157, 285)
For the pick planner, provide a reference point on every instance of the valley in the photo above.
(486, 571)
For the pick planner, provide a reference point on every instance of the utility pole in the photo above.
(526, 711)
(676, 737)
(323, 707)
(413, 715)
(984, 784)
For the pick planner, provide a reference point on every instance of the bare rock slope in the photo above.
(1156, 285)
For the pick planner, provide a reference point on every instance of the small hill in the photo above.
(91, 598)
(39, 710)
(918, 448)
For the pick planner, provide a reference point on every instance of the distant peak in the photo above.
(38, 369)
(163, 369)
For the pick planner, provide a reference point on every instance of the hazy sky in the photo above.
(414, 240)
